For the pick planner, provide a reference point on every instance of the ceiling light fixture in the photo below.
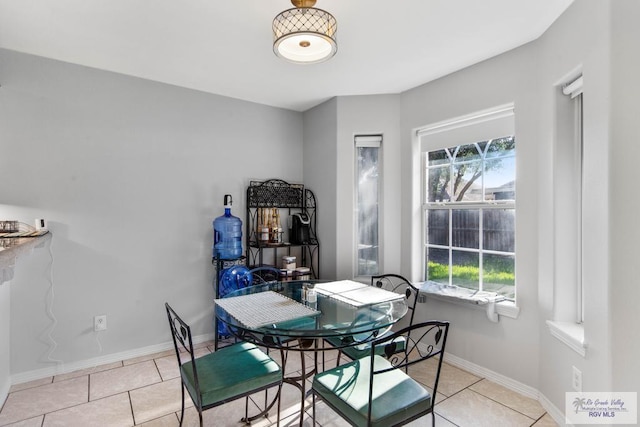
(304, 34)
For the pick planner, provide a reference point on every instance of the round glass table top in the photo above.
(309, 309)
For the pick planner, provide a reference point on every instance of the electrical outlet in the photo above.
(100, 323)
(577, 379)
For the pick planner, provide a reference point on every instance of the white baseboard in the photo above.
(63, 368)
(4, 391)
(553, 411)
(510, 383)
(480, 371)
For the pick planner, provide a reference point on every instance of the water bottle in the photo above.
(227, 230)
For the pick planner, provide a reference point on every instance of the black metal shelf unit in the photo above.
(291, 198)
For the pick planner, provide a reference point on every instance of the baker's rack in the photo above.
(290, 198)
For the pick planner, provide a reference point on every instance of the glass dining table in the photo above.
(299, 315)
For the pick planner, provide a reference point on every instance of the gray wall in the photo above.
(320, 175)
(369, 115)
(5, 340)
(579, 39)
(329, 169)
(508, 346)
(625, 233)
(523, 349)
(129, 173)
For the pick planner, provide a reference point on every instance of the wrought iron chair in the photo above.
(262, 275)
(391, 282)
(378, 391)
(227, 374)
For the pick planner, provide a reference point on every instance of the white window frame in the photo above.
(371, 141)
(569, 305)
(482, 125)
(574, 90)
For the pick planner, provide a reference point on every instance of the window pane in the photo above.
(498, 274)
(466, 228)
(500, 147)
(438, 227)
(459, 183)
(499, 227)
(466, 153)
(438, 157)
(466, 269)
(500, 178)
(466, 183)
(438, 185)
(367, 196)
(438, 265)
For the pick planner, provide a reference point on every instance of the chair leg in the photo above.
(266, 400)
(182, 410)
(200, 415)
(303, 390)
(313, 408)
(279, 400)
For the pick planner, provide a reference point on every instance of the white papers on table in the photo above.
(367, 296)
(355, 293)
(340, 286)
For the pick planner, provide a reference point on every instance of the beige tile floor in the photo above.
(146, 392)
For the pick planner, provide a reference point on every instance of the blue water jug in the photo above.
(231, 279)
(227, 230)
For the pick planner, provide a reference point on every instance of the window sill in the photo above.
(569, 333)
(494, 305)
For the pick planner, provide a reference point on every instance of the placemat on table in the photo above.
(264, 308)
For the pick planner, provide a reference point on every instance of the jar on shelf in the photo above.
(301, 273)
(289, 262)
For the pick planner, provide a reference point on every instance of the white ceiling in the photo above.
(225, 47)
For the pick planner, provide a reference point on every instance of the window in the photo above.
(569, 172)
(469, 202)
(568, 201)
(367, 186)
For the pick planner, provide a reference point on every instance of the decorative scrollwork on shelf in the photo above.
(275, 193)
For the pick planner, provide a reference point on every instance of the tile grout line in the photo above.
(133, 415)
(505, 405)
(448, 397)
(502, 404)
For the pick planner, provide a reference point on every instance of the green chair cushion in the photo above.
(230, 372)
(396, 396)
(361, 350)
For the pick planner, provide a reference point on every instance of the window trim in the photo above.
(569, 328)
(498, 113)
(371, 141)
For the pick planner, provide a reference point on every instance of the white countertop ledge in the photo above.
(493, 303)
(569, 333)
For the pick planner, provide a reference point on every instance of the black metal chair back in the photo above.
(229, 373)
(182, 340)
(399, 284)
(384, 379)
